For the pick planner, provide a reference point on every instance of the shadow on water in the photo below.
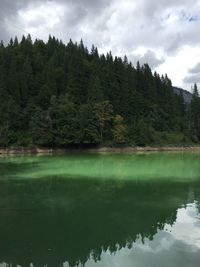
(12, 166)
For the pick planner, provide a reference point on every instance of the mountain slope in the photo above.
(187, 96)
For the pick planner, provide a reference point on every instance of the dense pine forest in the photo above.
(57, 95)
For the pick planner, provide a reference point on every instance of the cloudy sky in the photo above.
(164, 33)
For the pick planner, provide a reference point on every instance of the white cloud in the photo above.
(177, 65)
(195, 69)
(146, 57)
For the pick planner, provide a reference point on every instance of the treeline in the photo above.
(58, 95)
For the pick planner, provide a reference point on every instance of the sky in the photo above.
(162, 33)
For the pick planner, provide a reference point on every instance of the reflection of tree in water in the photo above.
(57, 220)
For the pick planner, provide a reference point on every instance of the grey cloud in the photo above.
(79, 10)
(174, 44)
(8, 11)
(88, 4)
(193, 75)
(153, 7)
(149, 57)
(8, 7)
(191, 79)
(77, 16)
(195, 69)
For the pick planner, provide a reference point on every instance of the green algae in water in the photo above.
(168, 166)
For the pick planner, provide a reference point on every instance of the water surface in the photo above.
(100, 210)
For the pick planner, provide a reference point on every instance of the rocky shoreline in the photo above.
(47, 151)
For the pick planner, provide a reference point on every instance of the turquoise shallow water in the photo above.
(152, 166)
(100, 210)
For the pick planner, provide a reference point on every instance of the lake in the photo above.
(100, 210)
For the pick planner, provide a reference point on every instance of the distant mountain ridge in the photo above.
(187, 96)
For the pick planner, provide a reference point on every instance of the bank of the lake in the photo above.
(37, 150)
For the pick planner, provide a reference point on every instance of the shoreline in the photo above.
(98, 150)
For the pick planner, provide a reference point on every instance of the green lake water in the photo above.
(122, 210)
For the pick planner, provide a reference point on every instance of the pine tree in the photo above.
(194, 112)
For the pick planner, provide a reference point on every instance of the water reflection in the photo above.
(176, 245)
(72, 222)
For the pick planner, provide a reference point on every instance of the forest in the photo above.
(63, 95)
